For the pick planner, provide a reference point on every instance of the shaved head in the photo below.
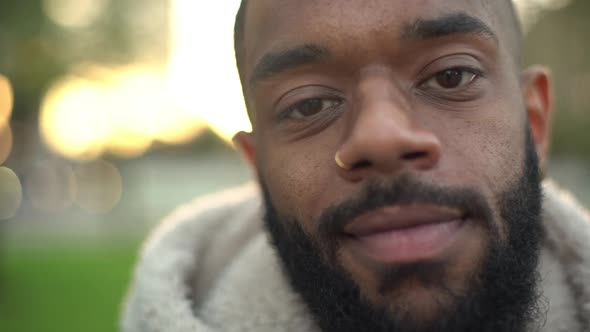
(509, 21)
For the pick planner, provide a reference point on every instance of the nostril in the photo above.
(362, 164)
(414, 155)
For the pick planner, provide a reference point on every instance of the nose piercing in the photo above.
(341, 164)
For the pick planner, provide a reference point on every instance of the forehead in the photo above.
(277, 24)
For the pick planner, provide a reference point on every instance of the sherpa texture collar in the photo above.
(210, 268)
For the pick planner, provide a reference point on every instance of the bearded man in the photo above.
(397, 146)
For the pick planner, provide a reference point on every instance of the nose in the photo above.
(385, 136)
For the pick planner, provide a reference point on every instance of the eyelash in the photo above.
(288, 112)
(470, 91)
(478, 73)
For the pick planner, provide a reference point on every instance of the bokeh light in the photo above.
(6, 100)
(100, 186)
(119, 111)
(11, 193)
(74, 13)
(51, 186)
(73, 119)
(6, 141)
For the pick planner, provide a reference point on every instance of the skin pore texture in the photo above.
(426, 104)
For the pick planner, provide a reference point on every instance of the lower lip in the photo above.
(411, 244)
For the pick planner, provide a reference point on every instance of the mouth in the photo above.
(404, 234)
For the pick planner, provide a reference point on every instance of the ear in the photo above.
(538, 98)
(244, 142)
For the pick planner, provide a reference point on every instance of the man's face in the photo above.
(421, 100)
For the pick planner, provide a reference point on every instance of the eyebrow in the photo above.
(455, 23)
(277, 62)
(448, 25)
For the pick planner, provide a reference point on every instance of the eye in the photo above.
(310, 107)
(453, 78)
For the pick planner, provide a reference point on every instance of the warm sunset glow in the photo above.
(74, 13)
(71, 119)
(117, 111)
(123, 111)
(202, 71)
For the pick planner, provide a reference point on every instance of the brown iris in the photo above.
(310, 107)
(450, 78)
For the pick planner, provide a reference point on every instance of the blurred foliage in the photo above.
(35, 51)
(26, 58)
(560, 41)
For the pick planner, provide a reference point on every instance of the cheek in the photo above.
(499, 148)
(492, 151)
(488, 153)
(298, 178)
(485, 144)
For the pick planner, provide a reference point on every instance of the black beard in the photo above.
(502, 295)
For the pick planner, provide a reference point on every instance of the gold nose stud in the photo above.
(341, 164)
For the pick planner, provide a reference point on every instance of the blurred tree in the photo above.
(37, 50)
(560, 40)
(25, 58)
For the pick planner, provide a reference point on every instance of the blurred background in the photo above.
(113, 112)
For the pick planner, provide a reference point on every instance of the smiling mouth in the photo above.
(404, 234)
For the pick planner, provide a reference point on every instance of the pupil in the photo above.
(450, 78)
(311, 107)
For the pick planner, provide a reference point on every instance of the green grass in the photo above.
(65, 288)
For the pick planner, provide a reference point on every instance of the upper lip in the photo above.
(398, 217)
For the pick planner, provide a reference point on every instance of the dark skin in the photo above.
(391, 95)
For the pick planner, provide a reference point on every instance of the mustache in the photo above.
(405, 190)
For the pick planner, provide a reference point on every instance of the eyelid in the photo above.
(294, 96)
(451, 98)
(478, 73)
(454, 61)
(289, 110)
